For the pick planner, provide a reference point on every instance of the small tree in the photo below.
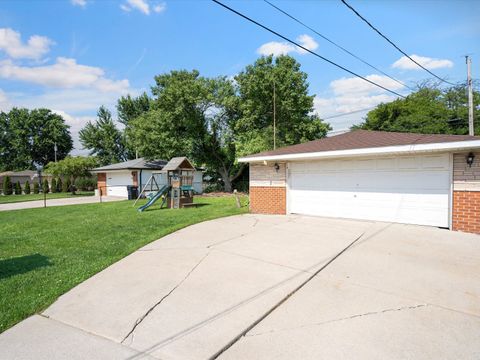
(36, 187)
(45, 187)
(59, 185)
(66, 185)
(72, 167)
(18, 188)
(53, 185)
(26, 188)
(7, 186)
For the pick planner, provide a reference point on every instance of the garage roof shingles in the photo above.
(362, 139)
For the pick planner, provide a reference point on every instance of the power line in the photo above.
(392, 43)
(335, 44)
(347, 113)
(305, 49)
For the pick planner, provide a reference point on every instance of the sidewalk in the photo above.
(58, 202)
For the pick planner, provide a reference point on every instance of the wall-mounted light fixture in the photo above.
(277, 167)
(470, 158)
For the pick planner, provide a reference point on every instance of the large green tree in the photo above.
(295, 120)
(28, 138)
(104, 139)
(429, 110)
(215, 120)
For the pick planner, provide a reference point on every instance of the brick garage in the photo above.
(268, 188)
(394, 177)
(466, 194)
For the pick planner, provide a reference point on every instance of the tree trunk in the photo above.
(227, 183)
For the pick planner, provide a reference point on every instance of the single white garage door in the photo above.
(406, 189)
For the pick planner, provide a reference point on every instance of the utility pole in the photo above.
(274, 119)
(55, 150)
(471, 130)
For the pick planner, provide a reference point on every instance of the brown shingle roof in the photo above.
(361, 139)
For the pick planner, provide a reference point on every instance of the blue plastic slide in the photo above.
(155, 197)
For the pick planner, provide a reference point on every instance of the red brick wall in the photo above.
(268, 200)
(466, 211)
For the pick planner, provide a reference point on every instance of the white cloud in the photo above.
(11, 44)
(81, 3)
(276, 48)
(64, 73)
(160, 7)
(144, 6)
(354, 94)
(427, 62)
(357, 86)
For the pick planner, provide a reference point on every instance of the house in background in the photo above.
(23, 176)
(114, 179)
(373, 175)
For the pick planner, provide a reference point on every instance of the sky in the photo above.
(72, 56)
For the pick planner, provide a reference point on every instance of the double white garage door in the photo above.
(405, 189)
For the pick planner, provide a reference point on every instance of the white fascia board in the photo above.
(385, 150)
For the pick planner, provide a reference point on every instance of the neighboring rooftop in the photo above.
(19, 173)
(363, 139)
(137, 164)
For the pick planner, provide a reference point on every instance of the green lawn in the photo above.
(5, 199)
(46, 252)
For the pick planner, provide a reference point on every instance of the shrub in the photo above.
(53, 185)
(35, 187)
(59, 185)
(215, 187)
(86, 184)
(45, 187)
(66, 185)
(7, 186)
(26, 187)
(18, 188)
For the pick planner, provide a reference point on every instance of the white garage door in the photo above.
(407, 189)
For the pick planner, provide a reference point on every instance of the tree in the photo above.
(104, 139)
(213, 121)
(27, 138)
(53, 185)
(59, 185)
(67, 184)
(71, 168)
(26, 188)
(295, 120)
(35, 187)
(7, 186)
(18, 188)
(45, 187)
(429, 110)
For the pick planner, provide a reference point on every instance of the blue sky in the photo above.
(74, 55)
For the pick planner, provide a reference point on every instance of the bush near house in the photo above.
(18, 188)
(53, 185)
(7, 186)
(86, 184)
(59, 185)
(26, 188)
(45, 187)
(67, 184)
(36, 187)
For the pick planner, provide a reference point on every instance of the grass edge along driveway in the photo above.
(9, 199)
(46, 252)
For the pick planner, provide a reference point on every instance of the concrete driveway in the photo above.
(57, 202)
(400, 292)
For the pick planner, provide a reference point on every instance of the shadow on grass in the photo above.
(22, 264)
